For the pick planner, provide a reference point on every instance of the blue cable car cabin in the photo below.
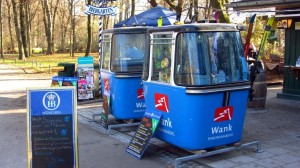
(123, 52)
(197, 76)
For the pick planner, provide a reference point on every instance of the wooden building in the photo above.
(289, 11)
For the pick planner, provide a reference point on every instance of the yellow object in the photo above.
(159, 22)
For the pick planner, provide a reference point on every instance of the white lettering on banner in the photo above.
(166, 122)
(102, 11)
(140, 105)
(218, 130)
(172, 133)
(220, 137)
(51, 112)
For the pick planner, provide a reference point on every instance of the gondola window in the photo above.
(106, 52)
(128, 52)
(209, 58)
(162, 47)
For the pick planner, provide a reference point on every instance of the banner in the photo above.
(102, 11)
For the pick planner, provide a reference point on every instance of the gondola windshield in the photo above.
(128, 51)
(208, 58)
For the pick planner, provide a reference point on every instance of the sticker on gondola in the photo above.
(52, 128)
(142, 136)
(106, 103)
(161, 102)
(223, 114)
(105, 112)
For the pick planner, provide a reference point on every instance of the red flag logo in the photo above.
(161, 102)
(106, 84)
(223, 114)
(140, 94)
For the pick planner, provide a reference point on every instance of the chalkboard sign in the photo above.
(52, 128)
(142, 136)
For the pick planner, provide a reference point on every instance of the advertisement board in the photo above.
(52, 127)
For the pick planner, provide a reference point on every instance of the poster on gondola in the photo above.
(52, 127)
(106, 103)
(144, 133)
(85, 73)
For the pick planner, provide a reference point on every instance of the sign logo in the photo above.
(51, 101)
(101, 1)
(223, 114)
(100, 8)
(106, 84)
(140, 94)
(161, 102)
(97, 1)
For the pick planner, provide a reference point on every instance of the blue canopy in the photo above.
(149, 18)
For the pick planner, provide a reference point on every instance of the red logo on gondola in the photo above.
(161, 102)
(223, 114)
(106, 84)
(140, 94)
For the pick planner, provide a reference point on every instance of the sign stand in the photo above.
(204, 153)
(52, 127)
(142, 136)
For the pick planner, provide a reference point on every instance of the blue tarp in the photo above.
(150, 17)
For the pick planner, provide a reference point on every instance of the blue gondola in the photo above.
(197, 76)
(123, 52)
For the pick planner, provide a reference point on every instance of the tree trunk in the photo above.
(48, 26)
(28, 27)
(23, 28)
(190, 13)
(153, 3)
(197, 14)
(72, 30)
(1, 32)
(53, 25)
(121, 10)
(132, 7)
(126, 9)
(12, 44)
(17, 28)
(64, 29)
(177, 8)
(89, 33)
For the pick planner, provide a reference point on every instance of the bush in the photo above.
(37, 50)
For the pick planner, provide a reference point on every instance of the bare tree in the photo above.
(153, 3)
(64, 19)
(196, 10)
(89, 32)
(17, 28)
(132, 7)
(72, 30)
(48, 26)
(23, 27)
(1, 32)
(176, 7)
(9, 20)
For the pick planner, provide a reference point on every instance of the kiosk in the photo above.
(123, 52)
(197, 76)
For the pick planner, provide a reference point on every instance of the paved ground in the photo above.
(276, 127)
(96, 149)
